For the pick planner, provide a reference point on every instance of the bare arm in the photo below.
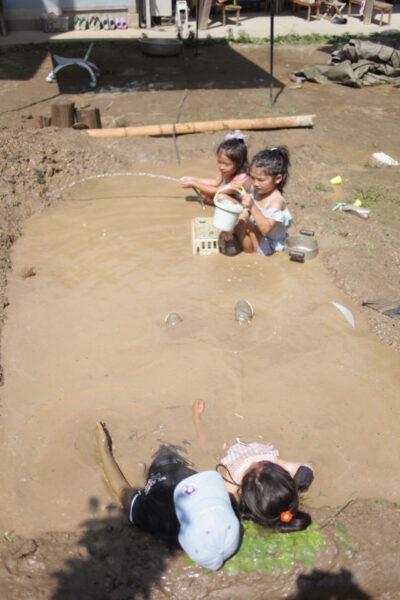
(113, 474)
(264, 224)
(206, 186)
(197, 410)
(292, 467)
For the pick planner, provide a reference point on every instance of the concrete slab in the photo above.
(253, 24)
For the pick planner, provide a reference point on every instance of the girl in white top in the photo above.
(265, 487)
(262, 226)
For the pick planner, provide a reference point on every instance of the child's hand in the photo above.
(186, 182)
(197, 409)
(244, 215)
(247, 200)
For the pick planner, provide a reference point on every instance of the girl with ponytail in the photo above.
(262, 227)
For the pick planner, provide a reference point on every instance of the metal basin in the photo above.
(161, 46)
(302, 247)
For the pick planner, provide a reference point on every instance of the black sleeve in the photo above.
(154, 512)
(304, 477)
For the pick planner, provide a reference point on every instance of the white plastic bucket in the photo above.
(226, 214)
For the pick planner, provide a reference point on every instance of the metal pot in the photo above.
(161, 46)
(301, 247)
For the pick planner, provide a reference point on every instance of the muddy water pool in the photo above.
(85, 339)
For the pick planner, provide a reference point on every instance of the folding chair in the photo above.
(62, 62)
(334, 10)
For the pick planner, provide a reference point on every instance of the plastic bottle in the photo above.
(357, 210)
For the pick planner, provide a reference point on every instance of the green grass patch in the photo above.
(263, 551)
(391, 38)
(370, 196)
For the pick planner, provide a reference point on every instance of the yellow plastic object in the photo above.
(336, 180)
(357, 202)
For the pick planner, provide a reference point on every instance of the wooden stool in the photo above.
(229, 8)
(380, 6)
(383, 7)
(351, 2)
(309, 5)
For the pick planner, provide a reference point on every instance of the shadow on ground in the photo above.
(124, 65)
(322, 585)
(113, 561)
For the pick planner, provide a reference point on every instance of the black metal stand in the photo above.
(197, 28)
(271, 52)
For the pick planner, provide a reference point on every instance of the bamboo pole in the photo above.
(202, 126)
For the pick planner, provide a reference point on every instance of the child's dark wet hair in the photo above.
(274, 161)
(269, 497)
(236, 150)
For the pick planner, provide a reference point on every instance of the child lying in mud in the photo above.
(232, 168)
(177, 504)
(265, 487)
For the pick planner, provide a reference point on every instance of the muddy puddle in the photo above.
(85, 339)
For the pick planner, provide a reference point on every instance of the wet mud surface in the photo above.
(85, 339)
(99, 265)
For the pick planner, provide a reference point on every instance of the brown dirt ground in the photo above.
(36, 168)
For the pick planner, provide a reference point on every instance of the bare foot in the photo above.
(103, 437)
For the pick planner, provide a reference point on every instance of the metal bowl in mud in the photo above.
(244, 311)
(161, 46)
(172, 319)
(302, 247)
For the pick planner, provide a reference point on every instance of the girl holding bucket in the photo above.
(262, 228)
(233, 168)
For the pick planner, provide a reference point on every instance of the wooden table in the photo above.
(309, 5)
(229, 8)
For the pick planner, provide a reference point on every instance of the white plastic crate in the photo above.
(204, 236)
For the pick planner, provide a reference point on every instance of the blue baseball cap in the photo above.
(209, 529)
